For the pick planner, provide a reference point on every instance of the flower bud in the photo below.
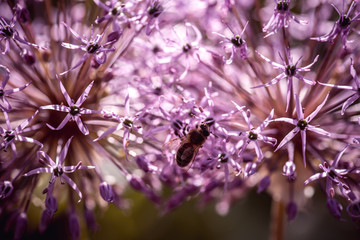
(106, 192)
(74, 226)
(142, 163)
(28, 57)
(6, 189)
(291, 210)
(51, 203)
(263, 184)
(335, 207)
(20, 227)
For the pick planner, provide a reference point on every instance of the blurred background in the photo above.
(247, 219)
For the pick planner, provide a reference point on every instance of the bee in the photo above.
(191, 143)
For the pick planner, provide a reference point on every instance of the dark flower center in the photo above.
(222, 158)
(58, 172)
(290, 70)
(156, 9)
(9, 135)
(282, 6)
(128, 123)
(74, 110)
(115, 11)
(186, 48)
(252, 136)
(92, 48)
(332, 174)
(237, 41)
(2, 92)
(344, 21)
(302, 124)
(7, 31)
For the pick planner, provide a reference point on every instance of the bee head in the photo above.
(204, 128)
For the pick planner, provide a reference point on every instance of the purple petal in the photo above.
(314, 177)
(42, 155)
(81, 126)
(6, 77)
(285, 119)
(348, 102)
(62, 124)
(71, 46)
(288, 137)
(275, 65)
(353, 74)
(299, 110)
(84, 95)
(64, 92)
(72, 185)
(81, 61)
(337, 158)
(19, 128)
(305, 80)
(266, 121)
(338, 86)
(61, 157)
(76, 35)
(60, 108)
(318, 130)
(317, 110)
(258, 151)
(272, 82)
(37, 171)
(303, 141)
(109, 131)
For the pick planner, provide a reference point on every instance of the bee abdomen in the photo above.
(185, 154)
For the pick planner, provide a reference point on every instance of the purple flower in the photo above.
(341, 26)
(106, 192)
(302, 124)
(8, 32)
(236, 44)
(57, 168)
(255, 134)
(115, 11)
(74, 109)
(355, 89)
(10, 135)
(289, 71)
(91, 46)
(4, 103)
(334, 176)
(281, 18)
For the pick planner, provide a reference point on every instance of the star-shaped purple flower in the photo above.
(281, 18)
(334, 176)
(57, 168)
(341, 26)
(90, 46)
(236, 44)
(289, 71)
(355, 89)
(4, 104)
(9, 136)
(302, 124)
(74, 110)
(254, 134)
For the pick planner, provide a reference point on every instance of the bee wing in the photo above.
(173, 144)
(187, 168)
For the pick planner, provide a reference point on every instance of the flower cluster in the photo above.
(176, 95)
